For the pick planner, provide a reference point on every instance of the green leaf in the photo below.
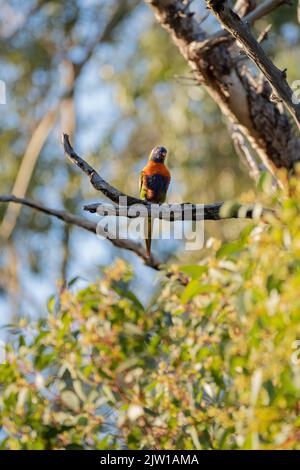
(74, 447)
(51, 304)
(194, 271)
(195, 288)
(124, 292)
(82, 421)
(73, 281)
(192, 289)
(230, 248)
(44, 360)
(265, 182)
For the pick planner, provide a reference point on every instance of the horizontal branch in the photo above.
(88, 225)
(179, 212)
(241, 31)
(170, 212)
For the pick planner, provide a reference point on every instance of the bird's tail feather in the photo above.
(148, 238)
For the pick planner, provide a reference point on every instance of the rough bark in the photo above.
(240, 30)
(243, 99)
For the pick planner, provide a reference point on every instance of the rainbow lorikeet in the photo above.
(154, 183)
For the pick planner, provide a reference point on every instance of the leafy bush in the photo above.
(212, 363)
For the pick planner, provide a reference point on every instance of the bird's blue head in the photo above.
(158, 154)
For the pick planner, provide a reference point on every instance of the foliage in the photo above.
(210, 364)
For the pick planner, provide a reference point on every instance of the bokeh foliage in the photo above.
(211, 363)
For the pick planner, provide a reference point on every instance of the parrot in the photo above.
(154, 183)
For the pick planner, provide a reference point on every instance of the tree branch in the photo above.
(241, 31)
(242, 98)
(170, 212)
(264, 9)
(180, 212)
(221, 36)
(242, 7)
(88, 225)
(96, 180)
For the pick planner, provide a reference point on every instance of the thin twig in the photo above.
(263, 36)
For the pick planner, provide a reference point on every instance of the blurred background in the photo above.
(107, 74)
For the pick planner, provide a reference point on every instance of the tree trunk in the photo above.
(242, 98)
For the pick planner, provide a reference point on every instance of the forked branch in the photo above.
(240, 30)
(170, 212)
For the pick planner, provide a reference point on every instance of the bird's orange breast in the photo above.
(156, 168)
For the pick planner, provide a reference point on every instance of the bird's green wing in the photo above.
(142, 187)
